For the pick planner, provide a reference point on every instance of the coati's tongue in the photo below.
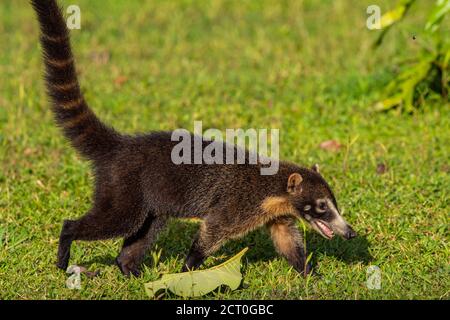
(325, 229)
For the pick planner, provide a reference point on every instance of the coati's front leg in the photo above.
(208, 240)
(135, 246)
(285, 235)
(289, 243)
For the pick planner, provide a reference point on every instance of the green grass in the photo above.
(304, 67)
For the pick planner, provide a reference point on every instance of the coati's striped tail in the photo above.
(86, 132)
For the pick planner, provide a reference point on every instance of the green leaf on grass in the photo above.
(401, 90)
(200, 282)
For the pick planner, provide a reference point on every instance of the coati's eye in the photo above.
(322, 206)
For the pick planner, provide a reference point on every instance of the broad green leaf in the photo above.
(401, 90)
(200, 282)
(441, 8)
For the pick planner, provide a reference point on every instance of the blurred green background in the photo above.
(305, 67)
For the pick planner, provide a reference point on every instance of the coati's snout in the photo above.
(315, 203)
(326, 220)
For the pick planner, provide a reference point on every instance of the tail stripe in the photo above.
(75, 121)
(60, 63)
(72, 104)
(65, 86)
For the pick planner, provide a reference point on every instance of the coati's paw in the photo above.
(308, 269)
(62, 265)
(185, 268)
(128, 268)
(305, 270)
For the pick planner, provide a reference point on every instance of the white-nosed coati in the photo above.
(138, 187)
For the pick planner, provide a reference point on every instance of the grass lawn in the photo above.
(305, 67)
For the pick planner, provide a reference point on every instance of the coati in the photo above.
(138, 188)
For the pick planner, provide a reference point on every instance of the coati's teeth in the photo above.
(326, 230)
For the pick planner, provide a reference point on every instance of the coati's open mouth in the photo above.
(324, 229)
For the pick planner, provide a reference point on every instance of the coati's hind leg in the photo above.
(135, 246)
(85, 228)
(97, 224)
(65, 241)
(289, 243)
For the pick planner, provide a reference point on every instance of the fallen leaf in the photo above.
(28, 152)
(92, 274)
(40, 184)
(120, 80)
(80, 269)
(330, 145)
(200, 282)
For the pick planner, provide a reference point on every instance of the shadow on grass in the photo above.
(348, 251)
(106, 260)
(176, 240)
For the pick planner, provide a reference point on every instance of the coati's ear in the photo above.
(315, 168)
(294, 181)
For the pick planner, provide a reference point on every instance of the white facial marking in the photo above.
(319, 203)
(338, 223)
(307, 208)
(332, 208)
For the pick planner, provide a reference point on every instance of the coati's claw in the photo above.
(128, 269)
(62, 265)
(185, 268)
(135, 272)
(308, 270)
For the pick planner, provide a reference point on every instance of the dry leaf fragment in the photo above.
(120, 80)
(28, 152)
(40, 184)
(330, 145)
(381, 168)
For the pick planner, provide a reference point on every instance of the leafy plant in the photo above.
(426, 74)
(200, 282)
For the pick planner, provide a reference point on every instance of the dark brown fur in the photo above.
(138, 187)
